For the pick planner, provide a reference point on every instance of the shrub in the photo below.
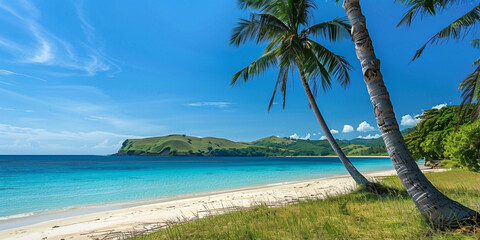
(464, 146)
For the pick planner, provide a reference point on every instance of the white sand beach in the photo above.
(120, 223)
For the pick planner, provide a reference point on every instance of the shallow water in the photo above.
(37, 184)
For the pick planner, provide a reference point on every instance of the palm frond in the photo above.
(304, 11)
(333, 30)
(335, 64)
(476, 62)
(274, 43)
(255, 4)
(456, 30)
(291, 51)
(281, 79)
(422, 8)
(258, 66)
(259, 27)
(315, 71)
(470, 88)
(475, 43)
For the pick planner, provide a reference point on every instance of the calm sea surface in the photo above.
(38, 184)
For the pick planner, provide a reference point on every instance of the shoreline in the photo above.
(118, 220)
(17, 220)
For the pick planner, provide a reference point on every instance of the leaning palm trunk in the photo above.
(434, 205)
(356, 175)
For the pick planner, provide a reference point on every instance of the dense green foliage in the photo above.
(357, 215)
(463, 146)
(182, 145)
(428, 140)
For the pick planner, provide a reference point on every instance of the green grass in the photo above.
(358, 215)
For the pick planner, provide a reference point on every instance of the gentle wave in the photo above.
(20, 215)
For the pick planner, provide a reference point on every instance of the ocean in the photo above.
(40, 184)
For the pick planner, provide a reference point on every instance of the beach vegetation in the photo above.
(463, 146)
(357, 215)
(428, 139)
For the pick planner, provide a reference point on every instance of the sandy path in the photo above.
(123, 222)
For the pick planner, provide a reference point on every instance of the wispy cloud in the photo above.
(15, 110)
(334, 131)
(48, 49)
(210, 104)
(91, 105)
(36, 140)
(10, 73)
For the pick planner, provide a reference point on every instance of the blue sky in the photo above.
(79, 77)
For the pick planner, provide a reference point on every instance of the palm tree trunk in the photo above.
(356, 175)
(434, 205)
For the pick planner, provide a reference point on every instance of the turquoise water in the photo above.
(37, 184)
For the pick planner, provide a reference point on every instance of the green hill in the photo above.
(176, 145)
(182, 145)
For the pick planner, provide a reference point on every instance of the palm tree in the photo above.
(457, 30)
(435, 206)
(284, 25)
(470, 87)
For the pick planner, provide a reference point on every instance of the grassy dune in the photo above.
(358, 215)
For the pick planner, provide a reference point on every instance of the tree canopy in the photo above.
(463, 146)
(428, 139)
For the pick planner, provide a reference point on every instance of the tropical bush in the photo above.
(464, 146)
(428, 139)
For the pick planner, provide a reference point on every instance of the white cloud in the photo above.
(333, 131)
(306, 137)
(365, 127)
(323, 138)
(369, 136)
(439, 106)
(409, 121)
(210, 104)
(294, 136)
(347, 129)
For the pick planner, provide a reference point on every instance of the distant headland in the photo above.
(183, 145)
